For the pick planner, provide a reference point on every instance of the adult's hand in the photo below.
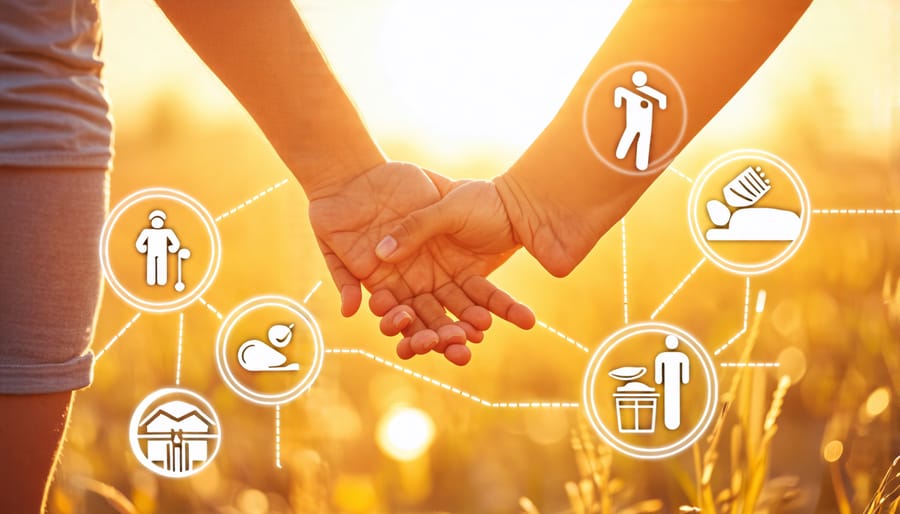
(490, 219)
(410, 293)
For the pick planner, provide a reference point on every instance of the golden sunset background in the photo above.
(463, 88)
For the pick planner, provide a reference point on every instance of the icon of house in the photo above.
(178, 436)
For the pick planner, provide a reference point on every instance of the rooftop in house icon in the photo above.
(178, 436)
(176, 415)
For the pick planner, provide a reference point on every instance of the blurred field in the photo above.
(825, 103)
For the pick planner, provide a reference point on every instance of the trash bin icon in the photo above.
(635, 402)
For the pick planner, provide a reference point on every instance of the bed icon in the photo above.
(739, 219)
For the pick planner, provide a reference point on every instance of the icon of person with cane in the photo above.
(156, 242)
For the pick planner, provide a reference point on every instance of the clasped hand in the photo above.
(381, 230)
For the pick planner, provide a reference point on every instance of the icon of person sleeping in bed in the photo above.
(746, 222)
(255, 355)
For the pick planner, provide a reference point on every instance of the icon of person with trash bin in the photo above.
(157, 241)
(636, 402)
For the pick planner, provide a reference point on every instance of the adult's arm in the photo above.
(559, 197)
(265, 55)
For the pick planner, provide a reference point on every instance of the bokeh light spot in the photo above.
(833, 451)
(878, 401)
(405, 433)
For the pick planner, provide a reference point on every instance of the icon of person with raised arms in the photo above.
(672, 369)
(639, 111)
(157, 241)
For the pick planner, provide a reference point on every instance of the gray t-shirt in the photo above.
(53, 108)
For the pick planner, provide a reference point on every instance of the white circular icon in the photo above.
(653, 110)
(174, 432)
(748, 202)
(151, 275)
(650, 390)
(269, 350)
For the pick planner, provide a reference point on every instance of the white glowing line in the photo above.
(250, 200)
(312, 291)
(680, 174)
(454, 390)
(678, 288)
(624, 273)
(180, 339)
(210, 307)
(278, 436)
(744, 326)
(117, 336)
(856, 211)
(563, 336)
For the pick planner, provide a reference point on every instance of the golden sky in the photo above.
(476, 76)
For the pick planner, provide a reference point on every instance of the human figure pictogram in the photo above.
(639, 111)
(157, 241)
(672, 370)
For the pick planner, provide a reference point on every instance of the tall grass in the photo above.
(746, 427)
(596, 491)
(887, 496)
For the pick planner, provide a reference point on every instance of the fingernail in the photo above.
(432, 344)
(402, 319)
(386, 247)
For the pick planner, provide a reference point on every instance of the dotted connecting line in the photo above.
(312, 291)
(677, 288)
(750, 364)
(624, 274)
(680, 174)
(744, 326)
(117, 336)
(856, 211)
(251, 200)
(180, 339)
(454, 390)
(278, 436)
(211, 308)
(563, 336)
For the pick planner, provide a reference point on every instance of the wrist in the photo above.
(518, 209)
(322, 174)
(537, 223)
(560, 223)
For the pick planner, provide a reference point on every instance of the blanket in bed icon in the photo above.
(748, 222)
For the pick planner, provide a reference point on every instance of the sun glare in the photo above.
(474, 73)
(405, 433)
(445, 77)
